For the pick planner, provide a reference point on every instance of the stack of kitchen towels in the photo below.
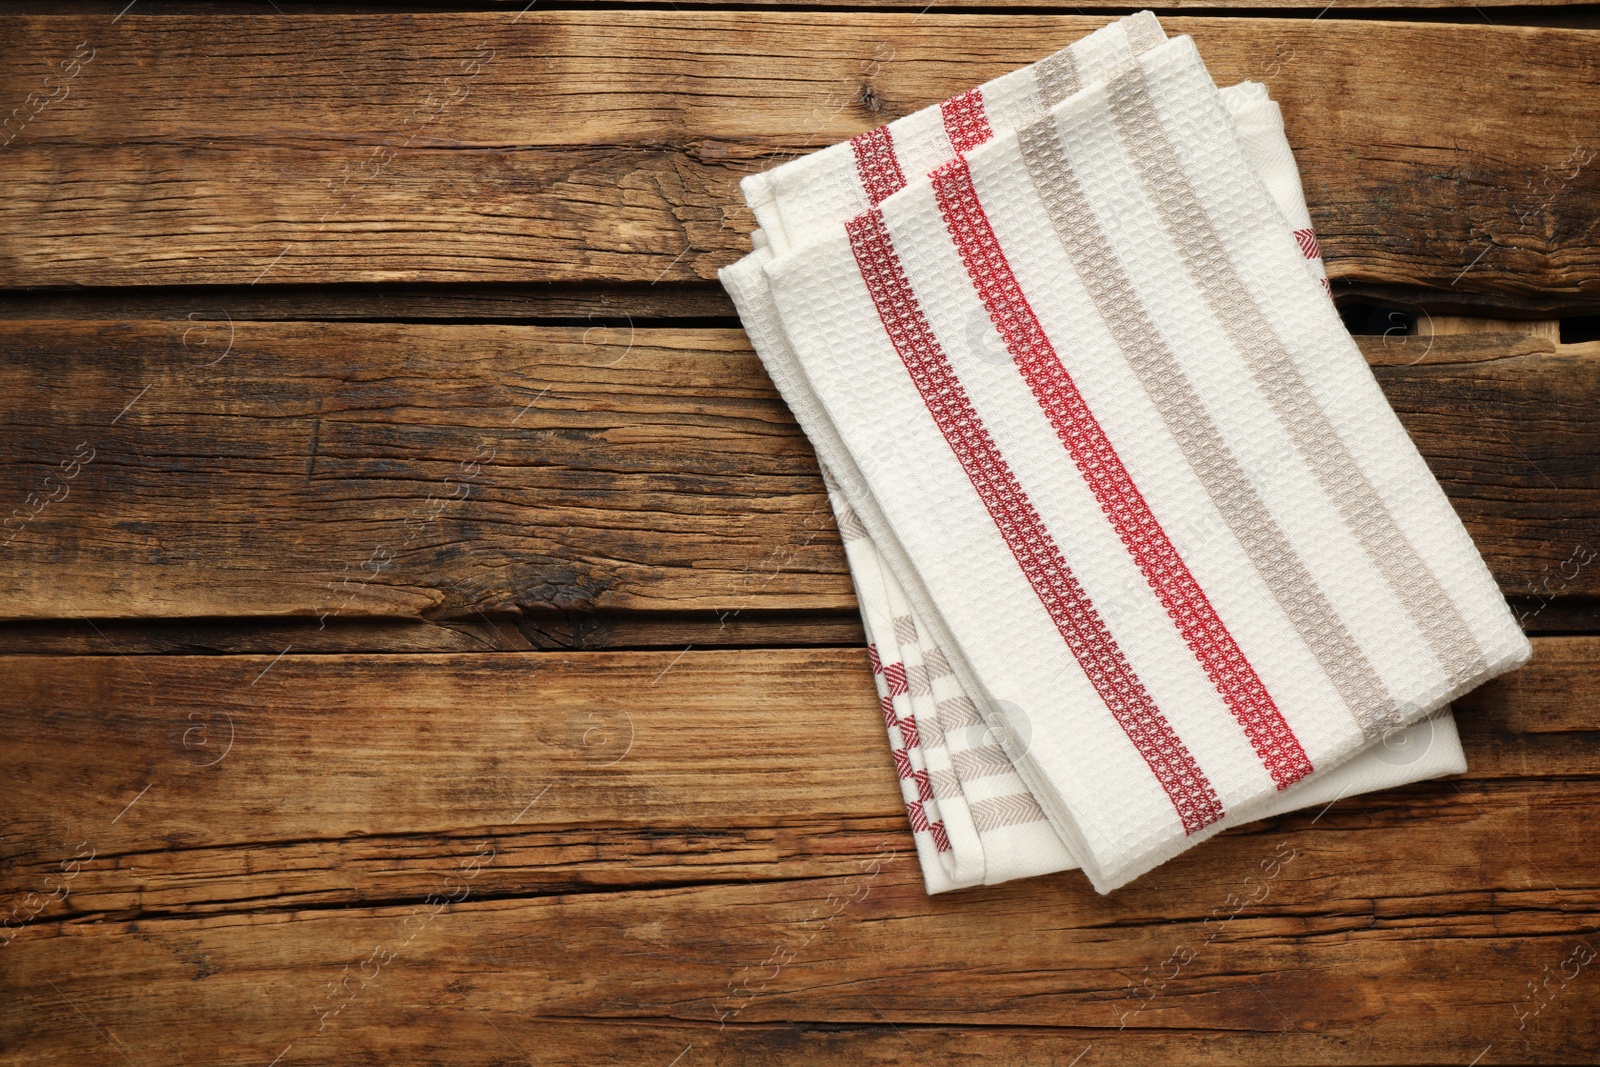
(1141, 550)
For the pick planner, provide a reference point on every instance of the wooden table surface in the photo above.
(426, 640)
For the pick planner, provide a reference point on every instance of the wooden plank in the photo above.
(448, 1020)
(351, 479)
(335, 471)
(1438, 402)
(228, 783)
(1315, 971)
(589, 145)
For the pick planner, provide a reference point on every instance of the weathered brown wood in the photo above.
(353, 470)
(1439, 402)
(591, 770)
(582, 145)
(1520, 723)
(602, 739)
(447, 1026)
(684, 959)
(532, 468)
(1317, 967)
(1461, 822)
(379, 784)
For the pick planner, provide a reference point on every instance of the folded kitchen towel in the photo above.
(1172, 535)
(973, 819)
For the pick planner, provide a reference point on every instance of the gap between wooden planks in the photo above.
(635, 854)
(336, 471)
(586, 145)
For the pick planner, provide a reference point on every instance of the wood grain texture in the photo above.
(339, 471)
(591, 145)
(585, 770)
(1417, 979)
(697, 886)
(541, 469)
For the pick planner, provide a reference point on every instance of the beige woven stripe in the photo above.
(1195, 234)
(850, 525)
(1056, 77)
(1013, 810)
(1198, 438)
(985, 761)
(905, 629)
(957, 713)
(1144, 32)
(938, 666)
(917, 680)
(946, 784)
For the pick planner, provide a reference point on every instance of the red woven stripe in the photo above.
(877, 165)
(1307, 240)
(1091, 450)
(902, 757)
(895, 675)
(908, 730)
(1025, 534)
(965, 122)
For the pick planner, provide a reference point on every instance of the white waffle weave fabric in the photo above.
(1141, 550)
